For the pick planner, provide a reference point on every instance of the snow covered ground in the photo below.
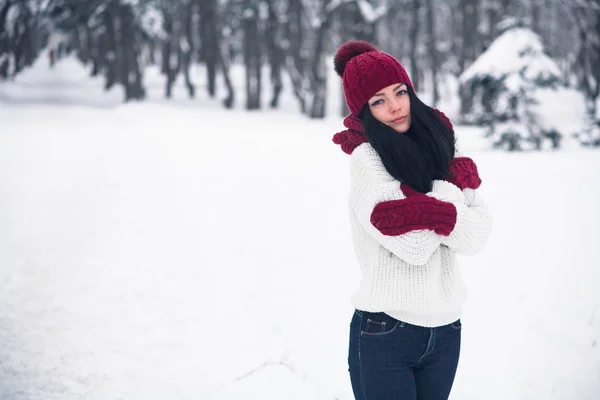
(176, 250)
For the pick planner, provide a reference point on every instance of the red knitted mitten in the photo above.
(417, 211)
(464, 174)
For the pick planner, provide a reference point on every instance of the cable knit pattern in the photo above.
(412, 276)
(396, 217)
(352, 137)
(464, 173)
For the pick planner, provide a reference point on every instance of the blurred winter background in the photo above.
(173, 219)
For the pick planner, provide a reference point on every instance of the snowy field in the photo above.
(175, 250)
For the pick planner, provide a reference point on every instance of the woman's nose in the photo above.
(395, 105)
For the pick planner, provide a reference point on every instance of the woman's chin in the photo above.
(401, 128)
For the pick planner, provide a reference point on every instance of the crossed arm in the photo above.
(413, 225)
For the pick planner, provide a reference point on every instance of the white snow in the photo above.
(176, 250)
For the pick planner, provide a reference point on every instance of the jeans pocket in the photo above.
(379, 324)
(456, 324)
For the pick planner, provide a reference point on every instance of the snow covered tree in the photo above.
(109, 34)
(502, 88)
(23, 31)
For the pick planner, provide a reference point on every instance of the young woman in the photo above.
(413, 206)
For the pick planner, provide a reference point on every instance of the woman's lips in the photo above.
(401, 119)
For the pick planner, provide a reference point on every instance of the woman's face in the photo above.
(391, 105)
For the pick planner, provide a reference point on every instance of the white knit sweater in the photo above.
(413, 277)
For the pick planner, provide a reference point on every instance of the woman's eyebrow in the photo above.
(396, 88)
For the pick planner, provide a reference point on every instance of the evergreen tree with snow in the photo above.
(23, 31)
(502, 88)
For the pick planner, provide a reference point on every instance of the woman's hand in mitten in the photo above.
(417, 211)
(463, 173)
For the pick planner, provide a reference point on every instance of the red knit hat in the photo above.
(364, 71)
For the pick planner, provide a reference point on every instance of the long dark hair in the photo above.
(419, 155)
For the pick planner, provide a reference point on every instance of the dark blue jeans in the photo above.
(393, 360)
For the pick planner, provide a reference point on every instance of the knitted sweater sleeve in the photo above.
(473, 219)
(371, 184)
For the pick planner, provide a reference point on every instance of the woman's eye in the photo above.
(401, 92)
(375, 103)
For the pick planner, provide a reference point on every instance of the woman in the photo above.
(413, 205)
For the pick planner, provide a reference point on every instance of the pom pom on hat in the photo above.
(348, 51)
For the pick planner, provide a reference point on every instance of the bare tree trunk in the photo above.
(151, 52)
(319, 76)
(131, 75)
(433, 52)
(469, 51)
(22, 31)
(223, 60)
(588, 55)
(274, 52)
(493, 14)
(32, 30)
(171, 58)
(97, 53)
(98, 49)
(210, 46)
(110, 17)
(252, 55)
(3, 14)
(187, 43)
(414, 40)
(80, 42)
(318, 71)
(4, 42)
(510, 7)
(294, 60)
(468, 32)
(536, 22)
(346, 16)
